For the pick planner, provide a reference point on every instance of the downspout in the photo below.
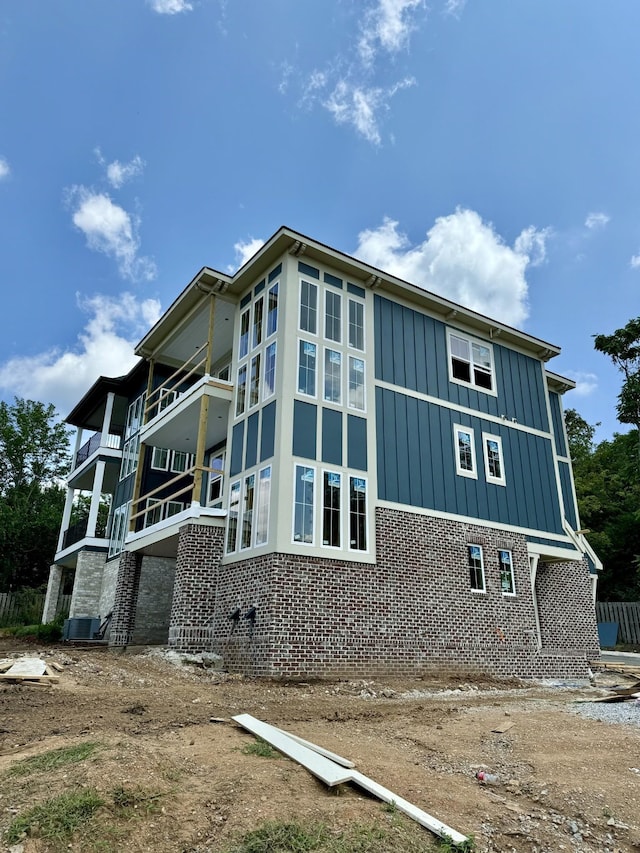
(533, 568)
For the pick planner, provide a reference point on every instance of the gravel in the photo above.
(610, 712)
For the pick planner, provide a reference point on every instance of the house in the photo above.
(317, 468)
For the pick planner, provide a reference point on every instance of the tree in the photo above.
(623, 348)
(34, 455)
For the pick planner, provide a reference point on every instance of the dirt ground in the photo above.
(566, 782)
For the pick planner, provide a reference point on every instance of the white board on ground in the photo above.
(345, 762)
(28, 666)
(323, 768)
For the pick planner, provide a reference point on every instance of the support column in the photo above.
(66, 517)
(126, 599)
(98, 479)
(49, 611)
(200, 550)
(106, 421)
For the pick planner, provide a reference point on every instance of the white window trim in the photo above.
(243, 311)
(155, 467)
(256, 357)
(266, 392)
(348, 477)
(474, 589)
(319, 302)
(241, 514)
(498, 481)
(315, 382)
(257, 503)
(314, 508)
(253, 346)
(361, 302)
(339, 402)
(189, 462)
(471, 340)
(364, 384)
(462, 472)
(340, 474)
(327, 292)
(239, 412)
(513, 574)
(267, 333)
(235, 549)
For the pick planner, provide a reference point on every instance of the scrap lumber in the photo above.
(310, 758)
(344, 762)
(31, 670)
(501, 728)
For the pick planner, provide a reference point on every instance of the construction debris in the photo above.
(314, 759)
(28, 671)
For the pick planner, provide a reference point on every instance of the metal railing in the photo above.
(78, 531)
(91, 446)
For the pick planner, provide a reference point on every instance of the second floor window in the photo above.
(308, 307)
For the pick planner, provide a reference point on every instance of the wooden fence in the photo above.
(626, 614)
(25, 607)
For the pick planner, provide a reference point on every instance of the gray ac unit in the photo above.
(80, 628)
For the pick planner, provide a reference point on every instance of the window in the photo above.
(216, 479)
(356, 324)
(257, 323)
(224, 373)
(254, 382)
(243, 348)
(332, 376)
(241, 390)
(272, 310)
(134, 416)
(130, 453)
(357, 514)
(160, 459)
(332, 316)
(232, 519)
(331, 509)
(307, 368)
(476, 568)
(172, 508)
(181, 461)
(154, 512)
(303, 505)
(470, 362)
(493, 459)
(507, 581)
(269, 386)
(165, 399)
(119, 529)
(247, 511)
(356, 383)
(308, 307)
(465, 451)
(263, 504)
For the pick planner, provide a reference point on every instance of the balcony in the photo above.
(96, 441)
(75, 539)
(105, 447)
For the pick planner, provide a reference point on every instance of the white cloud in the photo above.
(118, 173)
(586, 383)
(596, 220)
(245, 251)
(634, 263)
(5, 169)
(104, 347)
(454, 7)
(170, 7)
(360, 106)
(463, 259)
(111, 230)
(387, 25)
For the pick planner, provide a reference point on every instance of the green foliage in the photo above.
(260, 747)
(50, 632)
(608, 492)
(623, 348)
(127, 800)
(55, 820)
(53, 759)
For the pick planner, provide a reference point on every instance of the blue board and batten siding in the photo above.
(558, 426)
(417, 466)
(411, 351)
(567, 494)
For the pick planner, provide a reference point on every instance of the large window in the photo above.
(357, 514)
(476, 568)
(303, 504)
(247, 511)
(356, 398)
(134, 416)
(241, 389)
(331, 505)
(232, 518)
(263, 505)
(465, 451)
(507, 580)
(308, 307)
(243, 349)
(119, 528)
(130, 453)
(470, 362)
(216, 479)
(272, 310)
(333, 316)
(493, 459)
(333, 376)
(257, 323)
(356, 324)
(269, 387)
(307, 356)
(254, 381)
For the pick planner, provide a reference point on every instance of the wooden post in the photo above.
(212, 315)
(141, 453)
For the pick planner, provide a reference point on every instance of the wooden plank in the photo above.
(501, 728)
(328, 771)
(57, 666)
(8, 676)
(28, 667)
(428, 821)
(6, 664)
(344, 762)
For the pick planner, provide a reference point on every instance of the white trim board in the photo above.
(313, 759)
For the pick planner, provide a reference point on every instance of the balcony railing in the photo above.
(96, 441)
(75, 532)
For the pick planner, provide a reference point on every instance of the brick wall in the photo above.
(126, 599)
(155, 592)
(85, 600)
(410, 611)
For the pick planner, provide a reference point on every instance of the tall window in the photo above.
(308, 307)
(333, 316)
(216, 479)
(465, 451)
(241, 389)
(243, 349)
(269, 387)
(357, 514)
(307, 368)
(303, 505)
(134, 416)
(272, 310)
(332, 376)
(470, 362)
(476, 568)
(119, 528)
(493, 459)
(263, 505)
(232, 518)
(247, 511)
(254, 383)
(257, 322)
(507, 580)
(356, 324)
(356, 383)
(331, 483)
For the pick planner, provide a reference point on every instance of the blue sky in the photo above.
(486, 151)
